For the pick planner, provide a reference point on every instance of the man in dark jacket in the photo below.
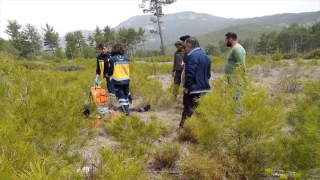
(177, 67)
(177, 63)
(103, 64)
(197, 75)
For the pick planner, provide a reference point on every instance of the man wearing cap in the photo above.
(177, 66)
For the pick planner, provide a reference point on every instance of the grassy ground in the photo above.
(45, 132)
(271, 77)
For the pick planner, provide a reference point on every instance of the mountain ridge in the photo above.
(196, 24)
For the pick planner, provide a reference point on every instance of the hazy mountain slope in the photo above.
(253, 31)
(196, 24)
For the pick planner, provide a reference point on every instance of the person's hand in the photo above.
(185, 91)
(96, 80)
(172, 74)
(107, 76)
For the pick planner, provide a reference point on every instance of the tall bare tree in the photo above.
(155, 8)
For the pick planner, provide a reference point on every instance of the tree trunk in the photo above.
(160, 33)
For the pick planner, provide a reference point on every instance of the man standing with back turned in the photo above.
(236, 58)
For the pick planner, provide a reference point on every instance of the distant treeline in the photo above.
(292, 39)
(27, 42)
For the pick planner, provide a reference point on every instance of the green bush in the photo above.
(315, 54)
(291, 56)
(251, 139)
(114, 166)
(200, 165)
(291, 85)
(35, 65)
(276, 56)
(134, 135)
(166, 155)
(302, 144)
(41, 122)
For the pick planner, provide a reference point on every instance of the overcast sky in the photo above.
(70, 15)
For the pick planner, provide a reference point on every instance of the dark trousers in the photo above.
(122, 93)
(110, 86)
(111, 90)
(189, 104)
(177, 77)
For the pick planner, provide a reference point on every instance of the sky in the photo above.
(71, 15)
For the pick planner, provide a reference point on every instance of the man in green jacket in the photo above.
(236, 58)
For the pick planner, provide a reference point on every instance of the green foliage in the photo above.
(250, 139)
(164, 128)
(291, 85)
(166, 155)
(291, 55)
(302, 145)
(40, 119)
(134, 135)
(276, 56)
(283, 177)
(315, 54)
(199, 165)
(286, 167)
(69, 68)
(26, 43)
(268, 171)
(152, 59)
(75, 43)
(35, 65)
(267, 43)
(296, 176)
(188, 132)
(116, 166)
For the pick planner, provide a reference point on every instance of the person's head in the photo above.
(191, 43)
(183, 40)
(230, 39)
(103, 48)
(178, 45)
(117, 49)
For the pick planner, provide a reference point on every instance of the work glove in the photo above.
(95, 80)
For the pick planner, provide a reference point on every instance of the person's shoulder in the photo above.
(238, 46)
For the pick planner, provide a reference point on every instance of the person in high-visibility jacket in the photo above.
(103, 64)
(120, 72)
